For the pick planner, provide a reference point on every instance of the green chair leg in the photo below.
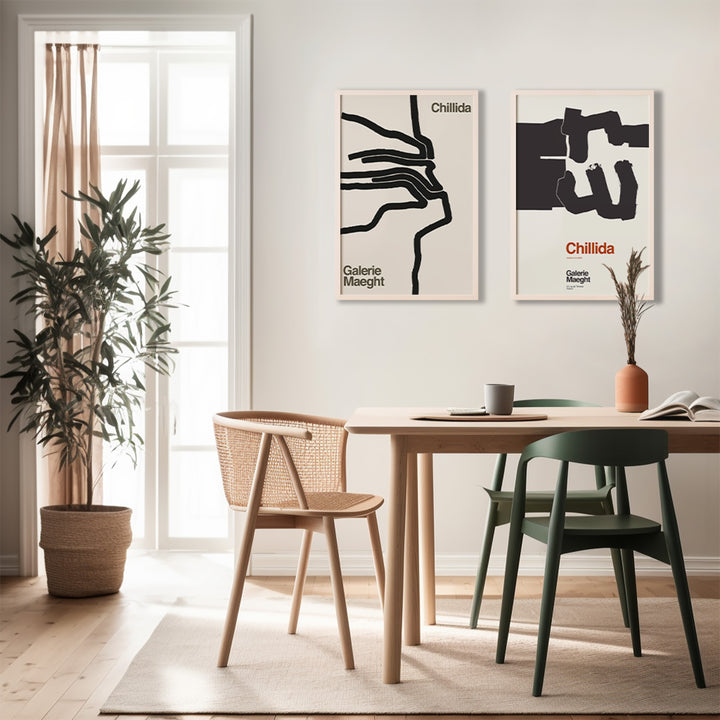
(628, 562)
(605, 476)
(677, 564)
(483, 565)
(512, 563)
(620, 582)
(552, 568)
(688, 619)
(490, 525)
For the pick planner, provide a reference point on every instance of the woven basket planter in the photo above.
(85, 549)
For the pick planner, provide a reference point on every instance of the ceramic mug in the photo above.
(499, 398)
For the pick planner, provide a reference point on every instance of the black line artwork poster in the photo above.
(407, 195)
(583, 186)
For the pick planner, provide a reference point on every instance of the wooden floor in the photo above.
(60, 659)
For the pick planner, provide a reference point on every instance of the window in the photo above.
(166, 118)
(187, 30)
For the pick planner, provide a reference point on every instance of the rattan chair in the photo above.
(287, 470)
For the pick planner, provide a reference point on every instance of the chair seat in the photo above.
(547, 497)
(329, 504)
(607, 525)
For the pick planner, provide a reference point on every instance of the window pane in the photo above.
(197, 503)
(124, 485)
(198, 389)
(198, 103)
(201, 283)
(198, 206)
(124, 103)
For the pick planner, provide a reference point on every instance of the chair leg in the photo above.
(552, 568)
(237, 591)
(683, 594)
(481, 576)
(490, 525)
(677, 564)
(378, 561)
(618, 569)
(628, 562)
(251, 514)
(338, 593)
(299, 585)
(512, 563)
(620, 582)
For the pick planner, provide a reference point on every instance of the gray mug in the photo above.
(499, 398)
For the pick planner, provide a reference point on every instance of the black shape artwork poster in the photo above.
(407, 187)
(583, 182)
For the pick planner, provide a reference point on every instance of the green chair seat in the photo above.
(604, 526)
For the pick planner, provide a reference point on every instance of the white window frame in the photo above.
(30, 173)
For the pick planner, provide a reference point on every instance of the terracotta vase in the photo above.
(631, 389)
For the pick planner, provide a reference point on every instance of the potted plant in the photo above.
(631, 381)
(99, 317)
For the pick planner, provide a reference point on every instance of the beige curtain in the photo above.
(71, 153)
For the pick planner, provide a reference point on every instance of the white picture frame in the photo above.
(583, 191)
(407, 194)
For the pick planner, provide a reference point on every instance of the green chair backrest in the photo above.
(552, 402)
(609, 447)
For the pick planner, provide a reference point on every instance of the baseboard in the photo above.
(446, 564)
(9, 565)
(462, 565)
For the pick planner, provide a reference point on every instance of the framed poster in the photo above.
(407, 195)
(583, 192)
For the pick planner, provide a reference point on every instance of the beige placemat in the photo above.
(515, 417)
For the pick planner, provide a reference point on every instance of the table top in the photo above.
(685, 435)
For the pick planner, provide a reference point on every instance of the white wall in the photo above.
(313, 353)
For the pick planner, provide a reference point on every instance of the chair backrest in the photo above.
(540, 402)
(618, 448)
(317, 447)
(552, 402)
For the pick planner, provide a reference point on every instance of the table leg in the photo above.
(427, 536)
(411, 576)
(392, 632)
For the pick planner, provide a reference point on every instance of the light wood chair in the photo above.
(287, 470)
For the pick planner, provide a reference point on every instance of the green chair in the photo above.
(590, 502)
(618, 449)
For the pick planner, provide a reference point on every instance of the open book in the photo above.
(686, 404)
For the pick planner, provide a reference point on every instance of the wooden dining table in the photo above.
(416, 434)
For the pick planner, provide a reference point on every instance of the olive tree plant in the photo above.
(100, 316)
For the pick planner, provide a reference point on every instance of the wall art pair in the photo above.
(581, 193)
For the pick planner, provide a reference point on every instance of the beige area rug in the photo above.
(591, 668)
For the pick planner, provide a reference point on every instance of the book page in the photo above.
(683, 397)
(706, 402)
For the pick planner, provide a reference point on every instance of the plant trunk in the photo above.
(97, 332)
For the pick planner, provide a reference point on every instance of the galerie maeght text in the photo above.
(411, 169)
(543, 180)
